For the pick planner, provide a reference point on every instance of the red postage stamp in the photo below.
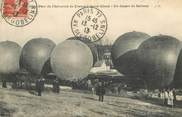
(19, 12)
(15, 8)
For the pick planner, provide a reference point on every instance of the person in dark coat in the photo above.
(165, 97)
(174, 94)
(4, 84)
(100, 91)
(56, 88)
(40, 86)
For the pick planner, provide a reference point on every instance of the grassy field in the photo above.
(21, 103)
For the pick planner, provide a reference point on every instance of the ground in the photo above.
(70, 103)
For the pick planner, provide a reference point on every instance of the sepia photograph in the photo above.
(90, 58)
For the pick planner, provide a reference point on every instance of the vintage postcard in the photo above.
(90, 58)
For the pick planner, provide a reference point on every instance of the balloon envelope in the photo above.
(35, 54)
(71, 59)
(90, 44)
(127, 42)
(159, 56)
(128, 64)
(178, 72)
(9, 57)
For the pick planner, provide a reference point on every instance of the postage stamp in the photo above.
(19, 13)
(89, 22)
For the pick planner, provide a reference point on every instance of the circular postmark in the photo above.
(19, 13)
(89, 22)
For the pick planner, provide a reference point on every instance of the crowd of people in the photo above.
(168, 96)
(98, 88)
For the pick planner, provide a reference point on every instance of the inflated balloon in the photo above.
(35, 54)
(90, 44)
(128, 64)
(159, 56)
(9, 57)
(71, 59)
(127, 42)
(178, 73)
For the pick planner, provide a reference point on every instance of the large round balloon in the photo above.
(36, 54)
(90, 44)
(128, 64)
(127, 42)
(71, 59)
(9, 57)
(159, 56)
(178, 72)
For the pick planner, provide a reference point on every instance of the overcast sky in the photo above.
(54, 23)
